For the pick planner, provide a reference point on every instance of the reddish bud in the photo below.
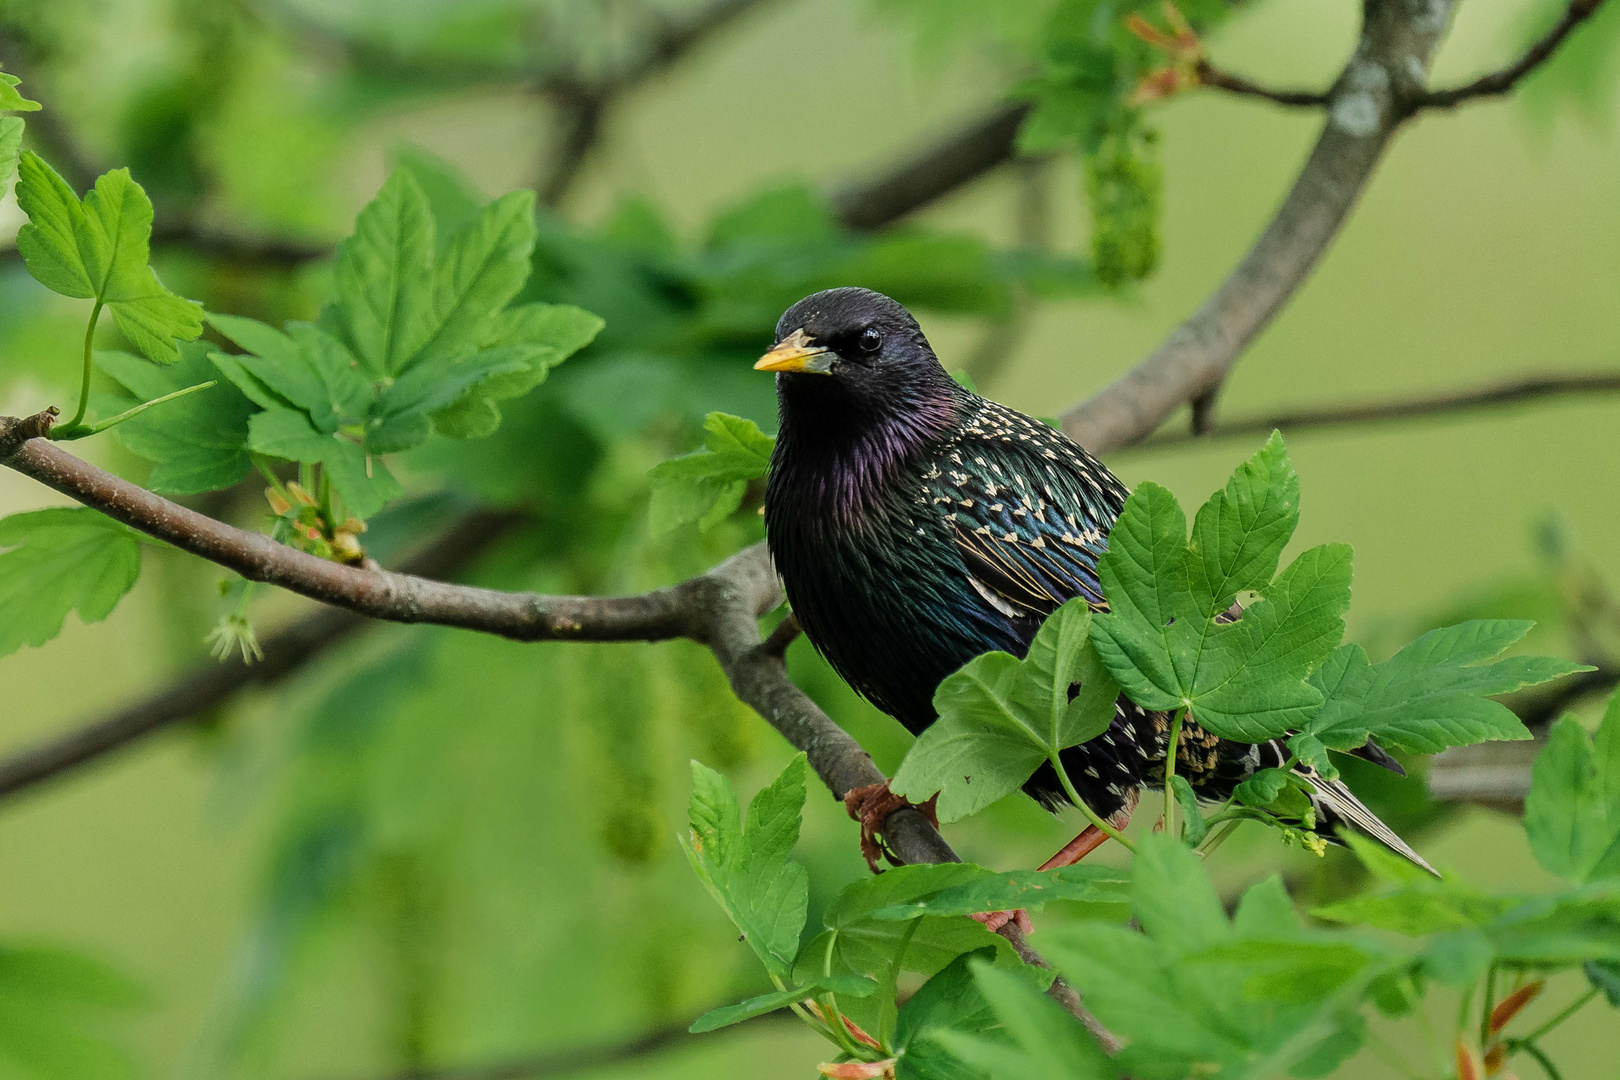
(1509, 1007)
(858, 1070)
(1468, 1063)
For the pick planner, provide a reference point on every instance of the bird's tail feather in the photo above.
(1337, 805)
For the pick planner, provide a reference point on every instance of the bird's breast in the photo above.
(883, 594)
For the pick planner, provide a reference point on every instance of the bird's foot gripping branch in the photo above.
(1195, 991)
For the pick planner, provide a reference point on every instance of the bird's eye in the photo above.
(871, 340)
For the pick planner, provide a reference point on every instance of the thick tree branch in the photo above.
(1364, 112)
(379, 594)
(1501, 82)
(1492, 395)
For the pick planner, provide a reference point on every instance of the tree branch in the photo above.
(934, 171)
(720, 609)
(379, 594)
(1213, 77)
(1491, 395)
(576, 130)
(1501, 82)
(1364, 112)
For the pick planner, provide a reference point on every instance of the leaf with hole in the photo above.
(1164, 637)
(1002, 717)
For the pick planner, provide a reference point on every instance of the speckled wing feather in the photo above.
(1029, 509)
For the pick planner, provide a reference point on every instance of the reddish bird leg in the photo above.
(1072, 852)
(871, 806)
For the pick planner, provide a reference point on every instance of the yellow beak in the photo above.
(795, 353)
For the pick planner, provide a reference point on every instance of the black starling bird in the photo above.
(917, 525)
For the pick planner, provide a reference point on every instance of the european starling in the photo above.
(917, 525)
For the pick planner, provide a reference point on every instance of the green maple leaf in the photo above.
(538, 337)
(1001, 717)
(1428, 696)
(316, 406)
(197, 443)
(847, 985)
(707, 485)
(859, 941)
(1025, 1034)
(56, 561)
(1161, 637)
(60, 1015)
(402, 300)
(1572, 813)
(11, 127)
(304, 369)
(98, 249)
(745, 864)
(1194, 992)
(11, 133)
(11, 100)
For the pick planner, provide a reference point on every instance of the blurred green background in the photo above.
(433, 848)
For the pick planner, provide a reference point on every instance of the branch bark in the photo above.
(1503, 81)
(1213, 77)
(379, 594)
(1509, 392)
(1365, 109)
(934, 171)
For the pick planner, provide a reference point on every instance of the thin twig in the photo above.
(583, 106)
(935, 171)
(1503, 81)
(1213, 77)
(576, 130)
(1492, 395)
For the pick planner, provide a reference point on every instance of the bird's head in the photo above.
(856, 354)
